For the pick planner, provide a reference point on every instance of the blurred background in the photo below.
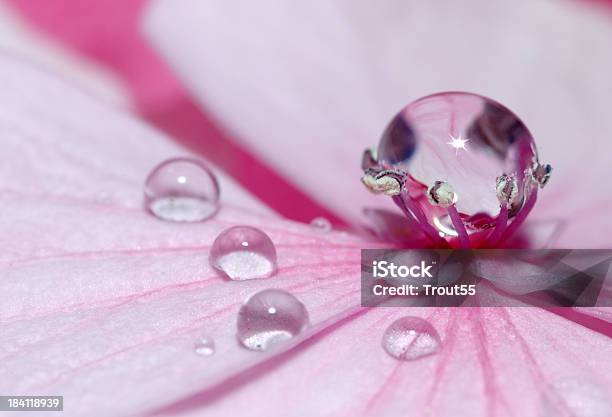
(285, 95)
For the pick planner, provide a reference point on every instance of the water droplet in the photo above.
(575, 398)
(410, 338)
(270, 317)
(205, 346)
(243, 252)
(467, 141)
(321, 224)
(182, 190)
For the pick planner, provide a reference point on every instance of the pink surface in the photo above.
(109, 33)
(101, 300)
(322, 81)
(98, 296)
(112, 36)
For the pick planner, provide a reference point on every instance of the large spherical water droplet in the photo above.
(182, 190)
(270, 317)
(205, 346)
(243, 252)
(466, 141)
(410, 338)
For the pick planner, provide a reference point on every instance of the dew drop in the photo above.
(410, 338)
(181, 190)
(466, 140)
(243, 252)
(205, 346)
(321, 224)
(270, 317)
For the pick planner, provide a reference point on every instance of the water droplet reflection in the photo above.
(269, 318)
(205, 346)
(321, 224)
(242, 253)
(410, 338)
(181, 190)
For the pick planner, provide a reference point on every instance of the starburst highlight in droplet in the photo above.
(458, 143)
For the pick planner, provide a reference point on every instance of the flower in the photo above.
(102, 302)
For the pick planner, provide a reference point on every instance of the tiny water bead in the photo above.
(181, 190)
(205, 346)
(410, 338)
(457, 164)
(269, 318)
(321, 224)
(243, 252)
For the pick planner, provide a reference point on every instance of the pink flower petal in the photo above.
(103, 301)
(110, 36)
(603, 313)
(53, 134)
(19, 39)
(99, 297)
(308, 86)
(494, 362)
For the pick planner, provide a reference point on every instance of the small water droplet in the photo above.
(321, 224)
(205, 346)
(410, 338)
(270, 317)
(243, 252)
(182, 190)
(575, 398)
